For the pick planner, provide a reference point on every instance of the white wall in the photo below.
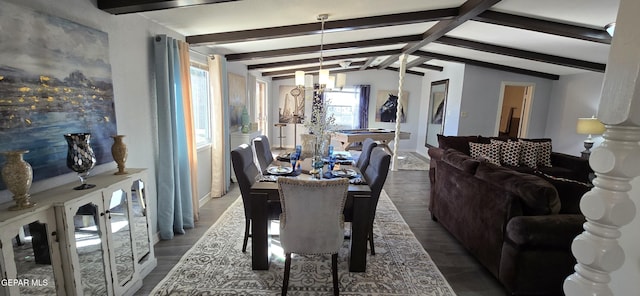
(481, 94)
(573, 96)
(455, 73)
(131, 57)
(379, 80)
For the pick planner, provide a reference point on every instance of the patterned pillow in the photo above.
(485, 152)
(511, 153)
(529, 154)
(544, 153)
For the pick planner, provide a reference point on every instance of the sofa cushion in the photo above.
(486, 152)
(511, 153)
(460, 161)
(529, 154)
(460, 143)
(538, 196)
(543, 147)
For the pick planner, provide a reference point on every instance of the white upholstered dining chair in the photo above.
(311, 221)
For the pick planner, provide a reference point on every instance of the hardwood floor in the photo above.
(409, 192)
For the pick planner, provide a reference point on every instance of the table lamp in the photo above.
(589, 126)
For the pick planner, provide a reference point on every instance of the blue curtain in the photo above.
(363, 93)
(175, 208)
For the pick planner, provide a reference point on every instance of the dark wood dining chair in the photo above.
(246, 173)
(311, 221)
(376, 174)
(367, 146)
(263, 152)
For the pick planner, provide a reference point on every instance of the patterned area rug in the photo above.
(215, 265)
(411, 161)
(407, 161)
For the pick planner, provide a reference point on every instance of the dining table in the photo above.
(359, 204)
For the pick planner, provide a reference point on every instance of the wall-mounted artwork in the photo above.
(55, 78)
(237, 100)
(387, 105)
(291, 104)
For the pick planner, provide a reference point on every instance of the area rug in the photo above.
(407, 161)
(411, 161)
(215, 265)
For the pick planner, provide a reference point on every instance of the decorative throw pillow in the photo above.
(485, 152)
(529, 153)
(544, 153)
(511, 153)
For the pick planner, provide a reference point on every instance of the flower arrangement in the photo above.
(320, 125)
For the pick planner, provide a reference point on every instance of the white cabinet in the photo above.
(30, 261)
(100, 238)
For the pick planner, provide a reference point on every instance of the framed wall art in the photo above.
(387, 105)
(54, 80)
(237, 100)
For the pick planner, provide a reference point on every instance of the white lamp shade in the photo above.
(341, 80)
(300, 78)
(332, 82)
(323, 77)
(589, 126)
(308, 81)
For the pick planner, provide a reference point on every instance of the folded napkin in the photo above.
(358, 181)
(268, 178)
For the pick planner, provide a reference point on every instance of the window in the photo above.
(345, 106)
(200, 104)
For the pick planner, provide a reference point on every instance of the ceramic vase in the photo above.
(119, 153)
(17, 176)
(80, 157)
(246, 125)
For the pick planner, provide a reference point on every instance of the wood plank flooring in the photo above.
(409, 192)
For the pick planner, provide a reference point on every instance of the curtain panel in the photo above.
(175, 157)
(220, 146)
(363, 93)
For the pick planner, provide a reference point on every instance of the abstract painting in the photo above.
(291, 104)
(237, 100)
(387, 106)
(55, 78)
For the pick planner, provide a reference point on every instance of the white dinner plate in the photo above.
(278, 170)
(348, 173)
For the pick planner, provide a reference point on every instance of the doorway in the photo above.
(513, 113)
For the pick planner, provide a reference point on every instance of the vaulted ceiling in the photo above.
(274, 38)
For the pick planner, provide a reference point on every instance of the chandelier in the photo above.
(325, 81)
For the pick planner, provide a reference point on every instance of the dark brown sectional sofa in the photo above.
(518, 225)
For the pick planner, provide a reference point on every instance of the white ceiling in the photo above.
(255, 14)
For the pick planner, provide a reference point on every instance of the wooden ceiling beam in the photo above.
(467, 11)
(524, 54)
(334, 68)
(431, 67)
(486, 64)
(283, 77)
(134, 6)
(316, 48)
(544, 26)
(368, 63)
(325, 58)
(417, 62)
(330, 26)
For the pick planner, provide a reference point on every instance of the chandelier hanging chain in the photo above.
(322, 18)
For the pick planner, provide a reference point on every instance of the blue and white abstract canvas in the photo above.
(55, 78)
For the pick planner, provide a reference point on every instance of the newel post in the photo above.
(616, 163)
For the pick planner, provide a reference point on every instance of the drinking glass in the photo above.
(293, 158)
(332, 162)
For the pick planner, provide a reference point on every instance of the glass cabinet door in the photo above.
(33, 260)
(141, 234)
(122, 249)
(89, 240)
